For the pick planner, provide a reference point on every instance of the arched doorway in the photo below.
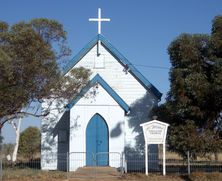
(97, 141)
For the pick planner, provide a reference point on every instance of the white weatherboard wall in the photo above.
(125, 84)
(49, 141)
(81, 114)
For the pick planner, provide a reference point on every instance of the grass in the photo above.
(38, 175)
(32, 175)
(29, 174)
(174, 156)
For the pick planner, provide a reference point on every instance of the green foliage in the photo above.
(31, 55)
(7, 149)
(188, 137)
(3, 26)
(190, 84)
(194, 103)
(29, 143)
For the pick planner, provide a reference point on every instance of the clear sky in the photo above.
(140, 29)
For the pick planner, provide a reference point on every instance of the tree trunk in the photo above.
(17, 132)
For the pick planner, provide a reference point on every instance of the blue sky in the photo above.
(140, 29)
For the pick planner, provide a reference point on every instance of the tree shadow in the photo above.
(55, 145)
(141, 112)
(117, 130)
(62, 131)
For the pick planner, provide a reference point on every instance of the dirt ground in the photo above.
(129, 177)
(109, 174)
(124, 178)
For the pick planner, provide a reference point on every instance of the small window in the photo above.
(99, 61)
(62, 136)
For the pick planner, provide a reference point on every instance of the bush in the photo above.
(29, 144)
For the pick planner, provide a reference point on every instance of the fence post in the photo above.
(125, 163)
(67, 165)
(146, 159)
(122, 165)
(164, 158)
(1, 170)
(188, 162)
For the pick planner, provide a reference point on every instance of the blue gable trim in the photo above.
(122, 60)
(111, 92)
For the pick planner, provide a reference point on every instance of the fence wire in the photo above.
(73, 165)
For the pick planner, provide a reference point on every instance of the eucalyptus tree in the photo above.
(31, 56)
(194, 102)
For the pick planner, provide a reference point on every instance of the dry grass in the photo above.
(197, 176)
(152, 177)
(175, 156)
(30, 175)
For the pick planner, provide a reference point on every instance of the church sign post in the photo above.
(155, 133)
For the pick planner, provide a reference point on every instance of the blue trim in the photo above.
(111, 92)
(97, 141)
(122, 60)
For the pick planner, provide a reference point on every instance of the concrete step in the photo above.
(101, 172)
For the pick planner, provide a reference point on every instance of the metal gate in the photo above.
(77, 165)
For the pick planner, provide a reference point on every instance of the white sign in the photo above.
(155, 133)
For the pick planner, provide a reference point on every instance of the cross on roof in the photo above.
(99, 20)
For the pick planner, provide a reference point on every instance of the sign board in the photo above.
(155, 133)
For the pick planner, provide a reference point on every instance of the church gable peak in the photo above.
(98, 79)
(119, 57)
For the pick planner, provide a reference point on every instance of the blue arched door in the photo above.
(97, 141)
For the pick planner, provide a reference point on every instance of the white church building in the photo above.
(94, 129)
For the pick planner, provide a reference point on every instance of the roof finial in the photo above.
(99, 20)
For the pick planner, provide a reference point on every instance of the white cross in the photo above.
(99, 20)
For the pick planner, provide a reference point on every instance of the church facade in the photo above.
(104, 121)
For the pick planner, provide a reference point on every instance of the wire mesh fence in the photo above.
(33, 168)
(104, 165)
(178, 165)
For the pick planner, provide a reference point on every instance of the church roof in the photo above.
(102, 82)
(122, 60)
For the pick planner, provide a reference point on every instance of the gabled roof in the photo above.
(122, 60)
(111, 92)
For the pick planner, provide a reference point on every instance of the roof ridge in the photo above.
(120, 58)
